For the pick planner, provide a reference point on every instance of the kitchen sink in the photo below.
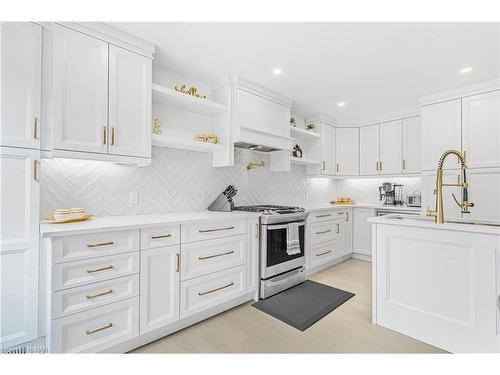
(455, 221)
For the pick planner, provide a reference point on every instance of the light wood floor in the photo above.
(347, 329)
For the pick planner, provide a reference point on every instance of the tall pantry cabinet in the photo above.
(19, 181)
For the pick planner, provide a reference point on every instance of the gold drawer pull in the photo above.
(100, 244)
(215, 255)
(100, 294)
(100, 269)
(177, 262)
(325, 215)
(161, 236)
(90, 332)
(323, 253)
(216, 289)
(104, 130)
(338, 228)
(214, 230)
(324, 231)
(112, 136)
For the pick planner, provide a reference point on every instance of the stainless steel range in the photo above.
(282, 236)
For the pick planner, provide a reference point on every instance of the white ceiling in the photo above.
(375, 68)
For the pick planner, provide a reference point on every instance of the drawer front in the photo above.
(152, 238)
(324, 231)
(85, 297)
(208, 291)
(204, 257)
(324, 252)
(96, 329)
(207, 231)
(93, 245)
(68, 275)
(318, 216)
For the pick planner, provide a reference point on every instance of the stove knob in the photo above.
(265, 212)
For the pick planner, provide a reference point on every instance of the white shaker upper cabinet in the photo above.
(328, 150)
(129, 103)
(484, 192)
(441, 126)
(369, 150)
(411, 145)
(21, 56)
(347, 151)
(481, 129)
(390, 148)
(79, 102)
(19, 239)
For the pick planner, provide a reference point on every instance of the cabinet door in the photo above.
(347, 151)
(441, 131)
(369, 155)
(79, 98)
(481, 129)
(363, 231)
(328, 150)
(253, 238)
(390, 147)
(129, 103)
(21, 57)
(484, 192)
(411, 145)
(19, 239)
(159, 290)
(451, 210)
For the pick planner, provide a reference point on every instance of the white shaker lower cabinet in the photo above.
(19, 240)
(160, 280)
(363, 231)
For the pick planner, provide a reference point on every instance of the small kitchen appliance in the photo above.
(414, 201)
(282, 245)
(391, 194)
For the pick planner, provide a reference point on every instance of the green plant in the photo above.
(311, 126)
(292, 121)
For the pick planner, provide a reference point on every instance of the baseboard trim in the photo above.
(365, 257)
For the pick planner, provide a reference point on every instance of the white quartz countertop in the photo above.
(329, 206)
(461, 225)
(106, 223)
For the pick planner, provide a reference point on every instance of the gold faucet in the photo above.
(438, 212)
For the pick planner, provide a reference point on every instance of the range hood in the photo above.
(254, 147)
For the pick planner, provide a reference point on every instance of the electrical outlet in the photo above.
(133, 197)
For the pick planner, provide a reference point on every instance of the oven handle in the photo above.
(281, 226)
(284, 277)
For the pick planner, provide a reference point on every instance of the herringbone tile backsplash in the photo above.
(175, 181)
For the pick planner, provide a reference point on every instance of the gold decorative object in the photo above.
(207, 138)
(51, 220)
(157, 126)
(438, 212)
(343, 200)
(193, 91)
(255, 165)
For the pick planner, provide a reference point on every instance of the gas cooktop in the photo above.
(275, 214)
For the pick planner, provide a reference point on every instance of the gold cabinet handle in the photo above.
(100, 269)
(338, 228)
(161, 236)
(404, 164)
(90, 332)
(35, 128)
(323, 253)
(100, 244)
(380, 166)
(324, 231)
(464, 153)
(324, 215)
(338, 167)
(177, 262)
(112, 136)
(35, 170)
(256, 230)
(214, 230)
(324, 166)
(216, 289)
(100, 294)
(104, 131)
(376, 165)
(215, 255)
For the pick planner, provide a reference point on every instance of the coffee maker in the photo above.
(391, 194)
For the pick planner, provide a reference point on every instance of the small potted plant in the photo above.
(311, 127)
(292, 121)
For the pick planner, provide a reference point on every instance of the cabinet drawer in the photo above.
(96, 329)
(68, 275)
(318, 216)
(93, 245)
(325, 252)
(205, 231)
(324, 231)
(83, 298)
(204, 257)
(160, 236)
(208, 291)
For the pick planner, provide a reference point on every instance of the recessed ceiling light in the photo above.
(465, 70)
(341, 104)
(277, 71)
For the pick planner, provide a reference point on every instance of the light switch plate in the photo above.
(133, 197)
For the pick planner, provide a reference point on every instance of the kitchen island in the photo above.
(438, 283)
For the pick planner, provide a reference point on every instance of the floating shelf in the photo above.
(167, 96)
(303, 133)
(185, 144)
(303, 161)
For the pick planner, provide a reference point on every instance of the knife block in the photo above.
(221, 203)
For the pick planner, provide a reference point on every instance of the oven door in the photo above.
(274, 257)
